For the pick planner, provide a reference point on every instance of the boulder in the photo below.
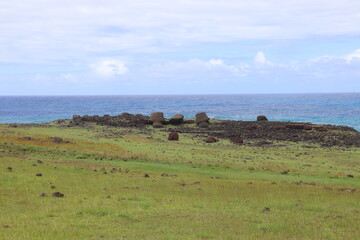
(203, 124)
(176, 119)
(173, 136)
(210, 140)
(237, 140)
(157, 125)
(201, 117)
(157, 117)
(261, 118)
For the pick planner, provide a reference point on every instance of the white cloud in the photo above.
(353, 56)
(40, 30)
(260, 58)
(110, 68)
(348, 58)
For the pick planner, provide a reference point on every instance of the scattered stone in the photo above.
(39, 161)
(42, 195)
(304, 183)
(274, 183)
(295, 126)
(308, 128)
(108, 196)
(56, 139)
(261, 118)
(350, 175)
(201, 117)
(237, 140)
(157, 117)
(39, 174)
(284, 172)
(176, 119)
(27, 138)
(203, 124)
(210, 140)
(10, 169)
(52, 187)
(249, 183)
(34, 165)
(146, 175)
(173, 136)
(157, 125)
(266, 209)
(58, 194)
(6, 226)
(249, 128)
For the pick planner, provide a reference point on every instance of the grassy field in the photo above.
(194, 190)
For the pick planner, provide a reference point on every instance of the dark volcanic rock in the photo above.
(307, 127)
(39, 174)
(210, 140)
(176, 119)
(42, 195)
(58, 194)
(203, 125)
(201, 117)
(157, 117)
(56, 139)
(173, 136)
(261, 118)
(236, 140)
(249, 128)
(295, 126)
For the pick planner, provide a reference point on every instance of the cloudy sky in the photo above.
(52, 47)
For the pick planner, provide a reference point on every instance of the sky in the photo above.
(118, 47)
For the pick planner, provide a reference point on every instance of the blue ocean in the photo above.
(337, 109)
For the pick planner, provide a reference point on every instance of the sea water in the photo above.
(337, 109)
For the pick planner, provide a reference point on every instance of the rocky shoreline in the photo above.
(261, 130)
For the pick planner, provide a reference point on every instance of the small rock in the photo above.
(58, 194)
(39, 161)
(173, 136)
(53, 187)
(146, 175)
(27, 138)
(237, 140)
(42, 195)
(266, 209)
(9, 169)
(34, 165)
(39, 174)
(56, 139)
(210, 140)
(350, 175)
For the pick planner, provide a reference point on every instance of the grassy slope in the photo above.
(209, 198)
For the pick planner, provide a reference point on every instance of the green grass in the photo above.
(212, 191)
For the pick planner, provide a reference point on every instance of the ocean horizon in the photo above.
(317, 108)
